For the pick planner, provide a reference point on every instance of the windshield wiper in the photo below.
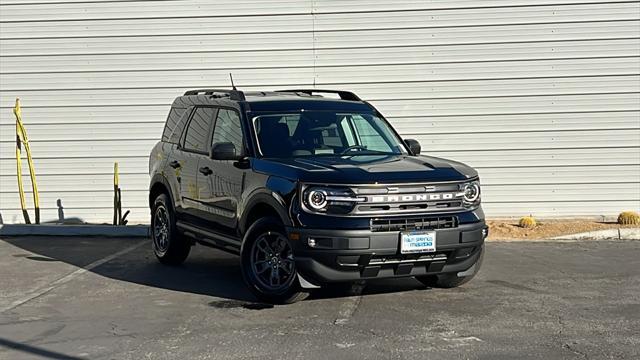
(353, 147)
(362, 150)
(366, 152)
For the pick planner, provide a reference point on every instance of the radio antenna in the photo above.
(232, 85)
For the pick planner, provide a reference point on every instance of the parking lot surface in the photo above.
(95, 298)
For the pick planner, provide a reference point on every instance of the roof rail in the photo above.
(232, 94)
(344, 95)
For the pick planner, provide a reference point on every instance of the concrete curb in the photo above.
(609, 234)
(74, 230)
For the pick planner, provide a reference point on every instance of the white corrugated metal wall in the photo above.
(541, 96)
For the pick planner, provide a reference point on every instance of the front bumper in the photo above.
(351, 255)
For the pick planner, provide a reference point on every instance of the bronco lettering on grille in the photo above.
(410, 197)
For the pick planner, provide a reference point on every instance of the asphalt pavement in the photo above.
(108, 298)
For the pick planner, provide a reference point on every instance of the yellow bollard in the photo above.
(21, 139)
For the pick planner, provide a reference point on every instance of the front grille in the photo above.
(414, 223)
(408, 198)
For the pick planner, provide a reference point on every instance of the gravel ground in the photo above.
(71, 298)
(546, 229)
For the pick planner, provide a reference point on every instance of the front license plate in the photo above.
(417, 242)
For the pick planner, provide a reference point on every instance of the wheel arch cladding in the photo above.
(159, 186)
(263, 205)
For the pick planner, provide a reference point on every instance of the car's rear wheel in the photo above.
(168, 246)
(454, 279)
(268, 266)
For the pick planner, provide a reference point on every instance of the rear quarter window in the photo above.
(174, 125)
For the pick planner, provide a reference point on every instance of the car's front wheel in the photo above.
(454, 279)
(168, 246)
(267, 262)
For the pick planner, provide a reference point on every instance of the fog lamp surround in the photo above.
(312, 242)
(471, 192)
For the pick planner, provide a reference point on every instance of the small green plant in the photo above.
(629, 218)
(527, 222)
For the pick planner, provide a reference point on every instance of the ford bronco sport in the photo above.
(309, 187)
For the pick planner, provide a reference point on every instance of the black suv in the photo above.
(309, 187)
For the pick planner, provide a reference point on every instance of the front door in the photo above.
(224, 179)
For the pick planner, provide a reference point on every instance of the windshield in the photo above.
(324, 133)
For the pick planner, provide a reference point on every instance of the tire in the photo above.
(267, 263)
(448, 281)
(169, 247)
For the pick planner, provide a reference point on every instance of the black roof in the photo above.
(310, 99)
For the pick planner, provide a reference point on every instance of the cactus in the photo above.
(527, 222)
(629, 218)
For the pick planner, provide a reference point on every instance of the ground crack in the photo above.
(568, 347)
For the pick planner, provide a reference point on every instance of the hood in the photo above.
(367, 169)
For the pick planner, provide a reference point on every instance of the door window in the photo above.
(198, 130)
(228, 129)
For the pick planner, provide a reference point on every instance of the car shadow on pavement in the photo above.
(206, 271)
(35, 350)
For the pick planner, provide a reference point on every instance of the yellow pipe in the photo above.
(23, 204)
(116, 174)
(21, 138)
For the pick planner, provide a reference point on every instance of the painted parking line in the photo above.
(350, 306)
(65, 279)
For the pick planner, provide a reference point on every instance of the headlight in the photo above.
(471, 191)
(321, 199)
(317, 199)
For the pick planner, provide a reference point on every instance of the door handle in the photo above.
(206, 171)
(175, 164)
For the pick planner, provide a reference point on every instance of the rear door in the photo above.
(171, 137)
(194, 147)
(224, 179)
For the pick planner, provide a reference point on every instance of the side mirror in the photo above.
(413, 145)
(224, 151)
